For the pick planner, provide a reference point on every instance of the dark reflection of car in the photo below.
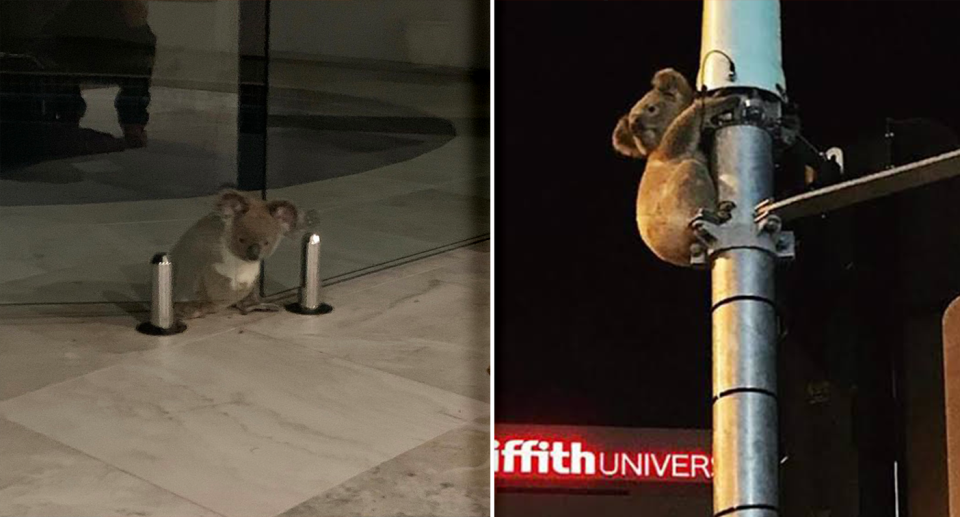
(67, 44)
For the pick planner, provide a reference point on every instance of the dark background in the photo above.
(591, 329)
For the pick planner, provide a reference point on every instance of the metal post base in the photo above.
(296, 308)
(152, 330)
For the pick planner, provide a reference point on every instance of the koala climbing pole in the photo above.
(163, 321)
(740, 54)
(309, 296)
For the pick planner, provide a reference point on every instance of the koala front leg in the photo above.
(252, 302)
(683, 136)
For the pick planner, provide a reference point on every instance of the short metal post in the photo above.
(310, 283)
(163, 321)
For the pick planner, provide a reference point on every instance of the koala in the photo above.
(664, 127)
(216, 263)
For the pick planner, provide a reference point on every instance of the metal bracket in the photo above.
(714, 233)
(864, 188)
(753, 110)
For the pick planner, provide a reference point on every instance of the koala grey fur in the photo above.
(217, 261)
(664, 127)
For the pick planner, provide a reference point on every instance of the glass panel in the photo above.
(378, 129)
(118, 121)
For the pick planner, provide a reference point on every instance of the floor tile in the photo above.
(241, 423)
(38, 350)
(42, 478)
(447, 476)
(430, 325)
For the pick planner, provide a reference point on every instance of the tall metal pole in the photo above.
(745, 444)
(741, 51)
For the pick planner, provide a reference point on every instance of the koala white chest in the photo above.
(242, 273)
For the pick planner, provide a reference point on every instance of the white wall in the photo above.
(379, 30)
(196, 41)
(205, 26)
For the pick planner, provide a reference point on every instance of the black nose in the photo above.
(253, 252)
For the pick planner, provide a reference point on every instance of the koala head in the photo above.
(639, 132)
(255, 227)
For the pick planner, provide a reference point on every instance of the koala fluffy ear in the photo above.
(286, 214)
(623, 141)
(231, 203)
(673, 83)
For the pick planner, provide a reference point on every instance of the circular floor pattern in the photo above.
(192, 149)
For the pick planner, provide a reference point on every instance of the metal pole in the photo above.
(310, 282)
(741, 51)
(951, 385)
(162, 318)
(745, 445)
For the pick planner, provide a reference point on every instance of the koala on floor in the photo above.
(217, 261)
(664, 127)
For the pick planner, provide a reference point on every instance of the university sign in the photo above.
(566, 456)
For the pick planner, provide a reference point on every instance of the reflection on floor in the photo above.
(379, 408)
(193, 146)
(415, 192)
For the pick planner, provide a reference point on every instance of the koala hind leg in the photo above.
(252, 303)
(192, 310)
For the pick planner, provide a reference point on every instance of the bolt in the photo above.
(782, 243)
(770, 224)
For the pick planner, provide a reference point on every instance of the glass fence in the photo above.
(121, 120)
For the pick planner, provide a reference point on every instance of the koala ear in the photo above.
(623, 141)
(286, 214)
(672, 83)
(231, 203)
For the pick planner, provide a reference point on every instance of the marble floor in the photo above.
(378, 408)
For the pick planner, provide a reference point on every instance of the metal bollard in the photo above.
(309, 299)
(163, 321)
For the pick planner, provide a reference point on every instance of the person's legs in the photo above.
(134, 97)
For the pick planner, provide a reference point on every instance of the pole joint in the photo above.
(715, 235)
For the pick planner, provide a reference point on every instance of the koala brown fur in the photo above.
(217, 261)
(664, 127)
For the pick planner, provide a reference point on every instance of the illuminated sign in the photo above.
(559, 459)
(529, 458)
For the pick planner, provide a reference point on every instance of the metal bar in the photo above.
(740, 49)
(310, 274)
(162, 317)
(865, 188)
(310, 282)
(161, 303)
(745, 440)
(951, 381)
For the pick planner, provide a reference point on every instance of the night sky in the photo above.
(590, 328)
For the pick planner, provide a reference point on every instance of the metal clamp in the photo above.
(715, 234)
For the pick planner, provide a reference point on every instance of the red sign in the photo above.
(530, 458)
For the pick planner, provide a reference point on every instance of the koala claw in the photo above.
(708, 216)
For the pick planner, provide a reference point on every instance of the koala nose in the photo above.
(253, 252)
